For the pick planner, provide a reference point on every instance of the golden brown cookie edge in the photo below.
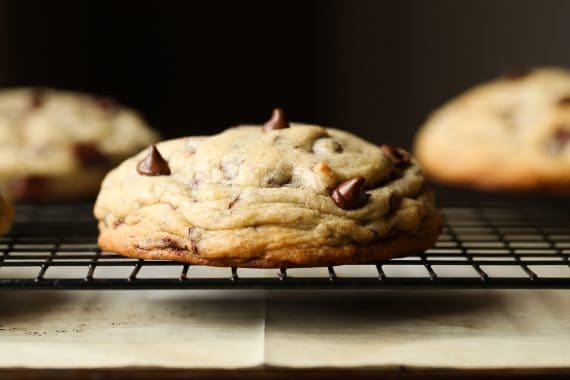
(119, 241)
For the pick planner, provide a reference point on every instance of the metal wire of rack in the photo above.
(483, 245)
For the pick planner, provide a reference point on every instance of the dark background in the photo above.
(373, 67)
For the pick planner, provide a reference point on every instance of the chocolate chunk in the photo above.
(88, 154)
(153, 164)
(564, 101)
(350, 195)
(399, 157)
(278, 121)
(515, 74)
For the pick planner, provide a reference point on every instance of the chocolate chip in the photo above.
(399, 157)
(394, 202)
(29, 187)
(337, 147)
(515, 74)
(169, 243)
(559, 140)
(88, 154)
(350, 195)
(108, 104)
(153, 164)
(37, 97)
(233, 202)
(193, 243)
(564, 101)
(563, 135)
(278, 121)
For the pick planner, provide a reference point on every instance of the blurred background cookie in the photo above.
(512, 133)
(58, 145)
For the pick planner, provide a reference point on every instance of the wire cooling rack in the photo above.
(517, 244)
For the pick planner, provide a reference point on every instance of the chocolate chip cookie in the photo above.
(274, 195)
(512, 133)
(59, 144)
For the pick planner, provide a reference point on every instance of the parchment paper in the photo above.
(231, 329)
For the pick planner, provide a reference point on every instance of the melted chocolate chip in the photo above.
(233, 202)
(350, 195)
(193, 243)
(153, 164)
(337, 147)
(30, 187)
(278, 121)
(399, 157)
(170, 243)
(564, 101)
(108, 104)
(563, 135)
(88, 154)
(394, 202)
(37, 97)
(515, 74)
(559, 140)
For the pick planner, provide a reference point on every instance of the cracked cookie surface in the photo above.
(59, 144)
(265, 197)
(512, 133)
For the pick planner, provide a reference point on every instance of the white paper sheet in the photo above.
(231, 329)
(131, 328)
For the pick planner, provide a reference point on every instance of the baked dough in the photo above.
(512, 133)
(58, 144)
(262, 197)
